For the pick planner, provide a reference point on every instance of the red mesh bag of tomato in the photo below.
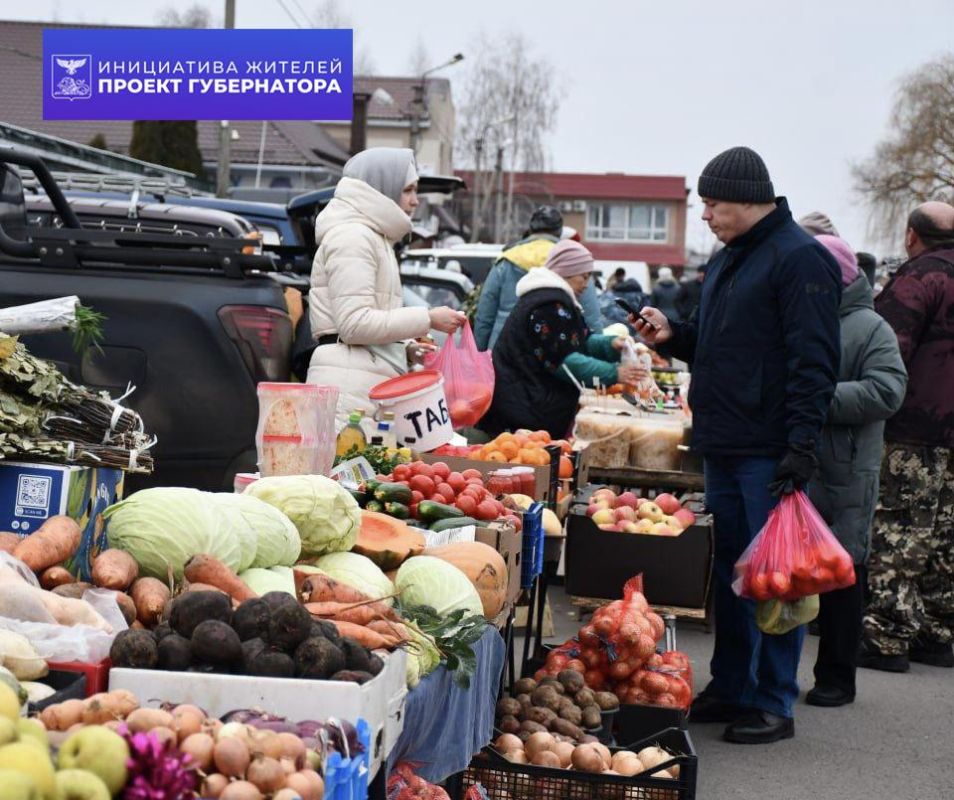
(468, 378)
(793, 556)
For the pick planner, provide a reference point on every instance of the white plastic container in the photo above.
(296, 428)
(417, 401)
(380, 701)
(243, 480)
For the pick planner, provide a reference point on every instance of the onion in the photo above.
(288, 766)
(653, 756)
(188, 708)
(214, 785)
(234, 729)
(507, 742)
(199, 747)
(266, 773)
(626, 763)
(301, 785)
(316, 781)
(292, 747)
(288, 794)
(587, 758)
(605, 754)
(231, 757)
(516, 757)
(546, 759)
(264, 743)
(241, 790)
(539, 742)
(165, 735)
(564, 751)
(187, 723)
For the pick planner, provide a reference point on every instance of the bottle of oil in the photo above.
(351, 436)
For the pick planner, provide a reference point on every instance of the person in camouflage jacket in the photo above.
(910, 616)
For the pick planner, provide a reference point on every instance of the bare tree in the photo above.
(419, 59)
(195, 16)
(328, 14)
(508, 106)
(915, 163)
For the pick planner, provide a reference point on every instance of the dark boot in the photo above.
(707, 707)
(829, 697)
(870, 657)
(932, 653)
(760, 727)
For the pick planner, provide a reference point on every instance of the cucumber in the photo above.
(393, 493)
(370, 485)
(429, 511)
(453, 522)
(397, 510)
(361, 497)
(374, 505)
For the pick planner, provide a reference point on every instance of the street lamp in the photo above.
(419, 103)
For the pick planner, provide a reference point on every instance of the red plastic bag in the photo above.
(793, 556)
(468, 378)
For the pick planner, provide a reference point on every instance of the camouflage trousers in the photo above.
(911, 566)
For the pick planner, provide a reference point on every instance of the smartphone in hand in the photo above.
(628, 308)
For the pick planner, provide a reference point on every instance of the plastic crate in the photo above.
(97, 673)
(503, 779)
(532, 556)
(69, 686)
(347, 778)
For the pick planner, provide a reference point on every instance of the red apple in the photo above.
(625, 514)
(662, 529)
(640, 501)
(630, 527)
(607, 527)
(627, 499)
(686, 518)
(603, 494)
(604, 516)
(668, 503)
(591, 509)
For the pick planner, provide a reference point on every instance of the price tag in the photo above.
(467, 533)
(352, 473)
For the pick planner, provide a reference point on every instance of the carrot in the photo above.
(369, 638)
(321, 588)
(347, 612)
(114, 569)
(9, 541)
(150, 596)
(55, 541)
(52, 577)
(200, 587)
(203, 568)
(392, 631)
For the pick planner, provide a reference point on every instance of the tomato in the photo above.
(576, 665)
(515, 521)
(416, 496)
(594, 679)
(486, 510)
(845, 573)
(471, 474)
(423, 484)
(445, 491)
(779, 584)
(620, 670)
(823, 578)
(588, 637)
(467, 504)
(456, 481)
(759, 587)
(412, 509)
(402, 472)
(441, 470)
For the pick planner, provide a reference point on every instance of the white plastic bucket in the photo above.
(421, 418)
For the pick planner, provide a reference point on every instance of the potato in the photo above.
(571, 681)
(529, 726)
(566, 728)
(525, 686)
(509, 724)
(591, 717)
(572, 713)
(607, 701)
(546, 697)
(554, 684)
(508, 706)
(542, 715)
(523, 699)
(98, 709)
(585, 697)
(145, 719)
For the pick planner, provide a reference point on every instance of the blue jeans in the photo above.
(748, 668)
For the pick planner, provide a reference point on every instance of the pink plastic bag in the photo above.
(468, 378)
(793, 556)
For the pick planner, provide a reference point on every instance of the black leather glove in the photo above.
(794, 470)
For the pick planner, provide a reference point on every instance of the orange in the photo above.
(509, 448)
(503, 437)
(543, 458)
(496, 455)
(540, 436)
(525, 457)
(566, 467)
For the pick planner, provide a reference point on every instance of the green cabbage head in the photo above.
(164, 527)
(429, 581)
(358, 572)
(326, 515)
(268, 538)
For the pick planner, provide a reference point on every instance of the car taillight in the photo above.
(263, 336)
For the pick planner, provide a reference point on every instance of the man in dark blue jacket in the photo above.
(763, 348)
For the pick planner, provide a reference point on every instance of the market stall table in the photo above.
(444, 725)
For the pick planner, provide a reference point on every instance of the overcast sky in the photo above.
(659, 86)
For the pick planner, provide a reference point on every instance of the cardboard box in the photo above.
(31, 493)
(380, 701)
(542, 474)
(509, 543)
(676, 569)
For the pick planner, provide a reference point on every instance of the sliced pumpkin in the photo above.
(387, 541)
(484, 568)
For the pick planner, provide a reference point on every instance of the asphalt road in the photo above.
(895, 742)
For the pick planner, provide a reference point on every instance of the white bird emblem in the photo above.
(71, 65)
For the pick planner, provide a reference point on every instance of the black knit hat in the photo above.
(546, 218)
(738, 175)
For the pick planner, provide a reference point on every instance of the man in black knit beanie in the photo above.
(763, 348)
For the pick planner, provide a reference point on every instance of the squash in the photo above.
(551, 522)
(387, 541)
(484, 568)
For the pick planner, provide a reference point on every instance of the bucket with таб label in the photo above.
(421, 418)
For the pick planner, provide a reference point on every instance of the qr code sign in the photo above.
(33, 491)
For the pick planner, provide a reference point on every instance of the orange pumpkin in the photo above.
(483, 566)
(387, 541)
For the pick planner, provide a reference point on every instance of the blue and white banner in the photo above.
(177, 73)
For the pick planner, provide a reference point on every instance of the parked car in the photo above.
(193, 319)
(474, 261)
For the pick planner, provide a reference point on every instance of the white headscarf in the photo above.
(387, 169)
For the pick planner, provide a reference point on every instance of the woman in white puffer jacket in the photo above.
(364, 333)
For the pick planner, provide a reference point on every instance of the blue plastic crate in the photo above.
(347, 778)
(532, 557)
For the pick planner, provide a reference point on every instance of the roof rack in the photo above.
(90, 182)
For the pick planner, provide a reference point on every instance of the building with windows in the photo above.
(621, 218)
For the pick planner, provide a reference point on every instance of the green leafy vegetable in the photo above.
(87, 329)
(453, 635)
(381, 461)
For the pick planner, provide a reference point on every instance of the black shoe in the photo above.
(709, 708)
(933, 654)
(870, 657)
(829, 697)
(760, 727)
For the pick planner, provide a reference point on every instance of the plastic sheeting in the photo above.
(444, 725)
